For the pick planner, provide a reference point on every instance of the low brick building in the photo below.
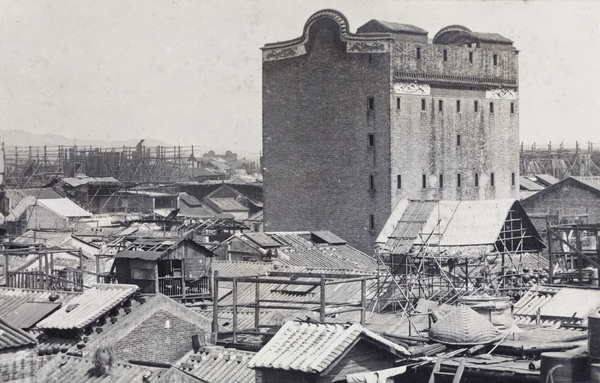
(571, 200)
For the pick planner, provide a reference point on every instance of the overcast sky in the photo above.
(189, 71)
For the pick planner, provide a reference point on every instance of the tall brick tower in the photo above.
(354, 122)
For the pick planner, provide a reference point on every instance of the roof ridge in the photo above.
(333, 345)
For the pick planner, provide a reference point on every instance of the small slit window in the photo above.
(371, 139)
(399, 182)
(445, 55)
(512, 179)
(471, 57)
(398, 103)
(458, 180)
(491, 107)
(371, 182)
(476, 106)
(424, 181)
(495, 59)
(371, 222)
(370, 103)
(458, 140)
(422, 104)
(512, 107)
(492, 180)
(476, 180)
(418, 53)
(441, 181)
(458, 106)
(440, 105)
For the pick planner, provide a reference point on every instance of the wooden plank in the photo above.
(459, 371)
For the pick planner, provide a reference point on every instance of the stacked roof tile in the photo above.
(87, 307)
(220, 365)
(310, 347)
(13, 337)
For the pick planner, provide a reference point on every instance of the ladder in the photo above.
(437, 373)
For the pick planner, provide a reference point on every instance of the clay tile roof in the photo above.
(311, 347)
(216, 364)
(462, 326)
(89, 306)
(13, 337)
(80, 370)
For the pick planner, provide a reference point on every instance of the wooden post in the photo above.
(257, 308)
(6, 269)
(81, 267)
(46, 272)
(579, 257)
(156, 281)
(322, 309)
(550, 255)
(215, 323)
(363, 293)
(234, 292)
(98, 268)
(183, 274)
(40, 281)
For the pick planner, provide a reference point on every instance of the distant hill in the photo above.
(25, 138)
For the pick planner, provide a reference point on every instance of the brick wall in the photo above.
(315, 141)
(566, 198)
(163, 338)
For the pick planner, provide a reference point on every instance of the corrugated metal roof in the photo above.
(78, 181)
(547, 179)
(527, 184)
(311, 347)
(64, 207)
(263, 240)
(189, 200)
(11, 299)
(87, 307)
(29, 313)
(228, 204)
(328, 237)
(216, 364)
(572, 303)
(13, 337)
(593, 182)
(241, 269)
(476, 222)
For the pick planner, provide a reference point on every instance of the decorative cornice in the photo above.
(412, 88)
(355, 43)
(509, 94)
(441, 79)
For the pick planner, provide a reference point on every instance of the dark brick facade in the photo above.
(163, 338)
(567, 201)
(344, 121)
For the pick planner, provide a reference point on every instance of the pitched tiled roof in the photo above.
(29, 313)
(64, 207)
(13, 337)
(89, 306)
(240, 268)
(310, 347)
(557, 305)
(215, 364)
(80, 370)
(11, 299)
(299, 249)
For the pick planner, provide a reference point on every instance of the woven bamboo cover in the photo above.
(462, 327)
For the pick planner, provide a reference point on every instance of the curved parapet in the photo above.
(330, 18)
(460, 35)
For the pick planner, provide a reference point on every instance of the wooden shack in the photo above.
(178, 268)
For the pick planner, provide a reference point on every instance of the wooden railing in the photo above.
(177, 287)
(41, 281)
